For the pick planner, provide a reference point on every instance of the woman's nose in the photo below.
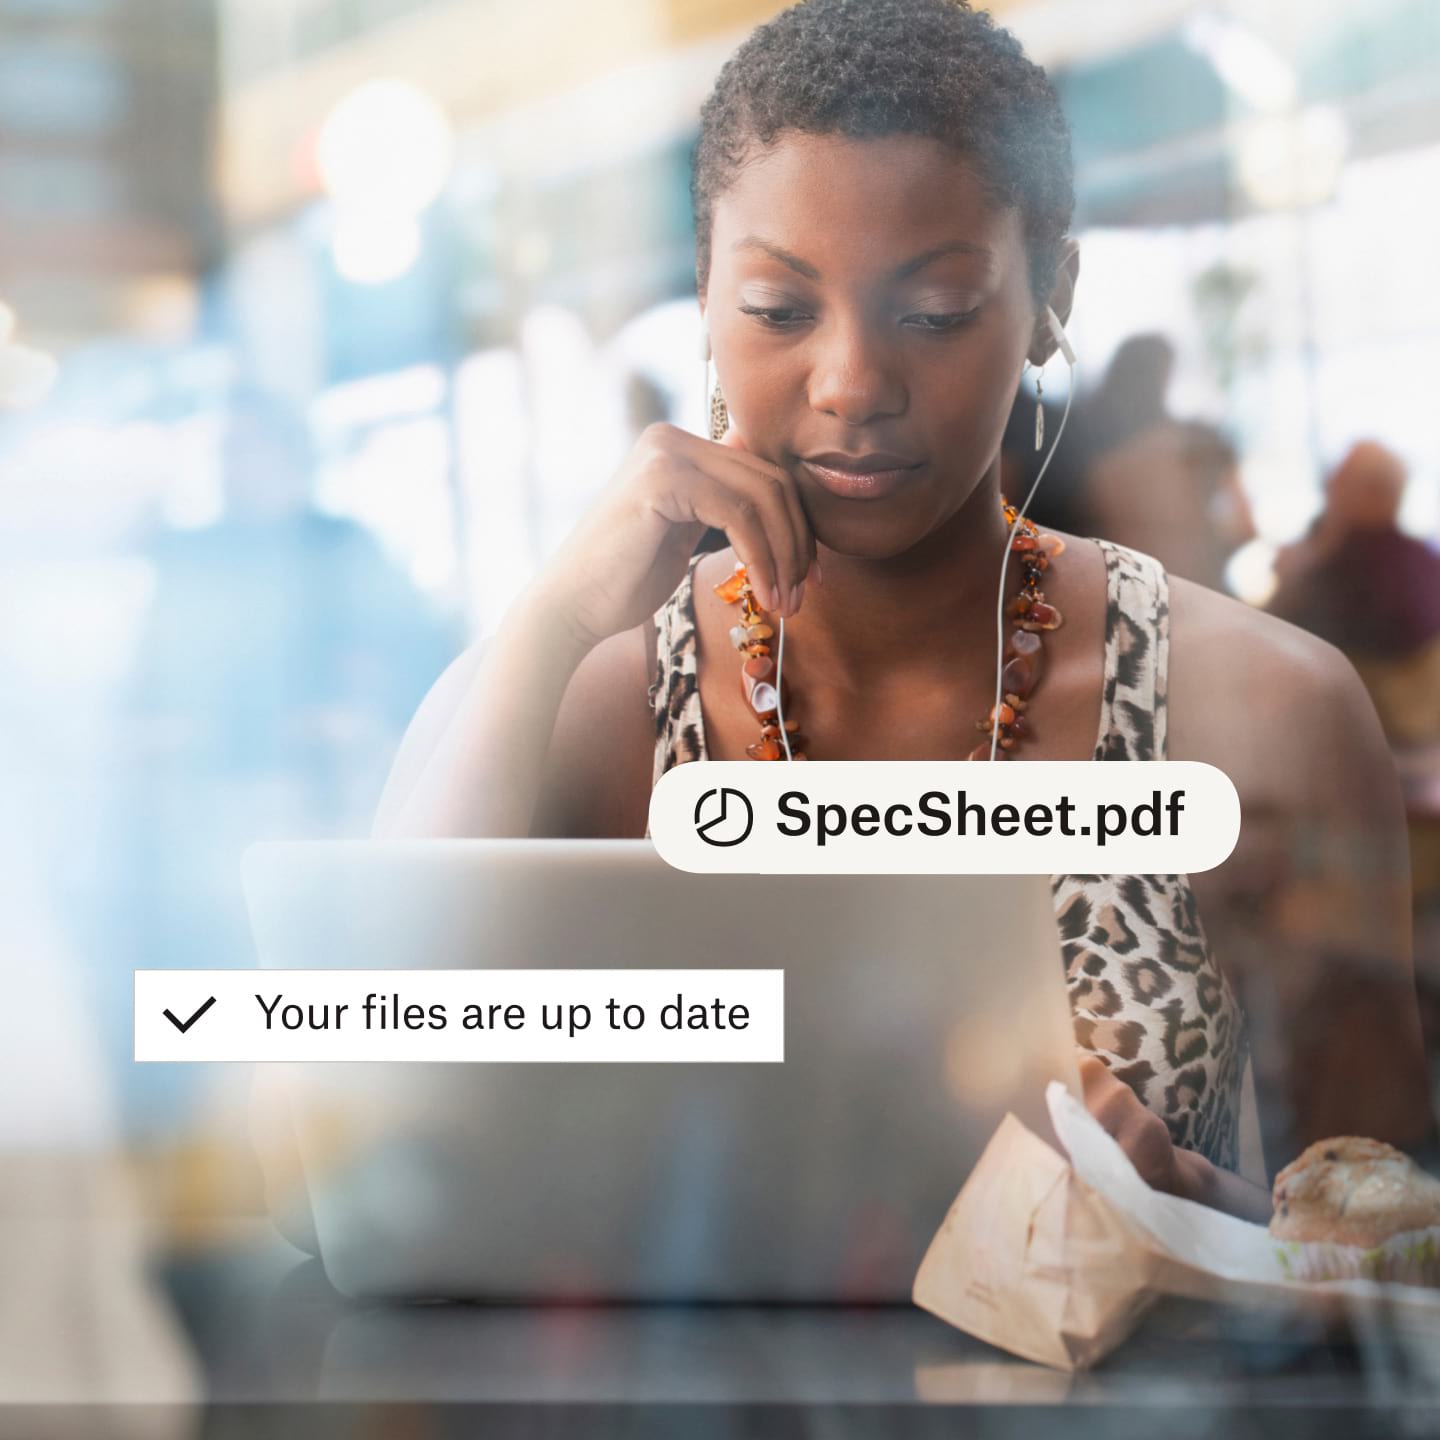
(854, 378)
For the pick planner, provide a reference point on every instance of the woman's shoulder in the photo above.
(1261, 697)
(1235, 644)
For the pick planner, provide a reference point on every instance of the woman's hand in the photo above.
(1143, 1135)
(629, 552)
(1144, 1138)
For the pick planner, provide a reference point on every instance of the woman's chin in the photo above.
(872, 535)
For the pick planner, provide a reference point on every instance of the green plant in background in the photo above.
(1219, 295)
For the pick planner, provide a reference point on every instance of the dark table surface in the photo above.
(263, 1346)
(283, 1354)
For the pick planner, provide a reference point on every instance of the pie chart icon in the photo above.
(723, 816)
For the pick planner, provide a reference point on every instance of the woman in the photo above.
(882, 190)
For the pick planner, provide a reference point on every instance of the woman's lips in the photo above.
(862, 477)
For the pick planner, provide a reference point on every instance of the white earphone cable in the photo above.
(1058, 330)
(779, 700)
(1005, 562)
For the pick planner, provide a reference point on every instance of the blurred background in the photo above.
(325, 317)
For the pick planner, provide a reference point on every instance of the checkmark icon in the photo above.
(183, 1025)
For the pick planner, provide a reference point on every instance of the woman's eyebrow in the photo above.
(754, 242)
(954, 247)
(910, 267)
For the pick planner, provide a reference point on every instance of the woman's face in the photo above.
(869, 311)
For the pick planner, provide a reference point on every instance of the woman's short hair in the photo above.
(867, 68)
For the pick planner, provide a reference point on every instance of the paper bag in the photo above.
(1207, 1255)
(1030, 1260)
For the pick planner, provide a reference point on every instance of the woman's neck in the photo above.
(932, 607)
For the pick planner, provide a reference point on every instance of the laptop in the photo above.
(918, 1011)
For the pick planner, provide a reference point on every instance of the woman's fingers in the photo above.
(754, 529)
(1139, 1132)
(795, 561)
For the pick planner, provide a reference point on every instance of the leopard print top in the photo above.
(1145, 991)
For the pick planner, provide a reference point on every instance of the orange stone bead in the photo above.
(764, 750)
(1002, 713)
(759, 667)
(1017, 677)
(1040, 616)
(729, 590)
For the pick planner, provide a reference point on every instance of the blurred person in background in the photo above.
(1139, 475)
(1357, 580)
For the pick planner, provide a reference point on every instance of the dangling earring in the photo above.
(1039, 408)
(719, 415)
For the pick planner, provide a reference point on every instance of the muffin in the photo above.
(1356, 1208)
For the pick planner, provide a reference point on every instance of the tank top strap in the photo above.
(675, 689)
(1134, 707)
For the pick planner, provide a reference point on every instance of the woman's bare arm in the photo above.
(473, 758)
(1310, 917)
(1326, 969)
(478, 756)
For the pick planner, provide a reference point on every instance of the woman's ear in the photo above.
(1061, 301)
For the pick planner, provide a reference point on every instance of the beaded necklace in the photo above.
(1031, 614)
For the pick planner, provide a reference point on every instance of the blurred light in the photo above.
(386, 146)
(1290, 161)
(419, 390)
(1250, 573)
(493, 460)
(532, 253)
(373, 248)
(1251, 67)
(161, 307)
(396, 481)
(25, 375)
(83, 618)
(983, 1066)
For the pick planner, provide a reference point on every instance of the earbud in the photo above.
(1058, 331)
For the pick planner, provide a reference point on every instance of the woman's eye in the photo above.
(938, 324)
(780, 318)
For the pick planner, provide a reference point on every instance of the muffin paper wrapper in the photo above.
(1411, 1258)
